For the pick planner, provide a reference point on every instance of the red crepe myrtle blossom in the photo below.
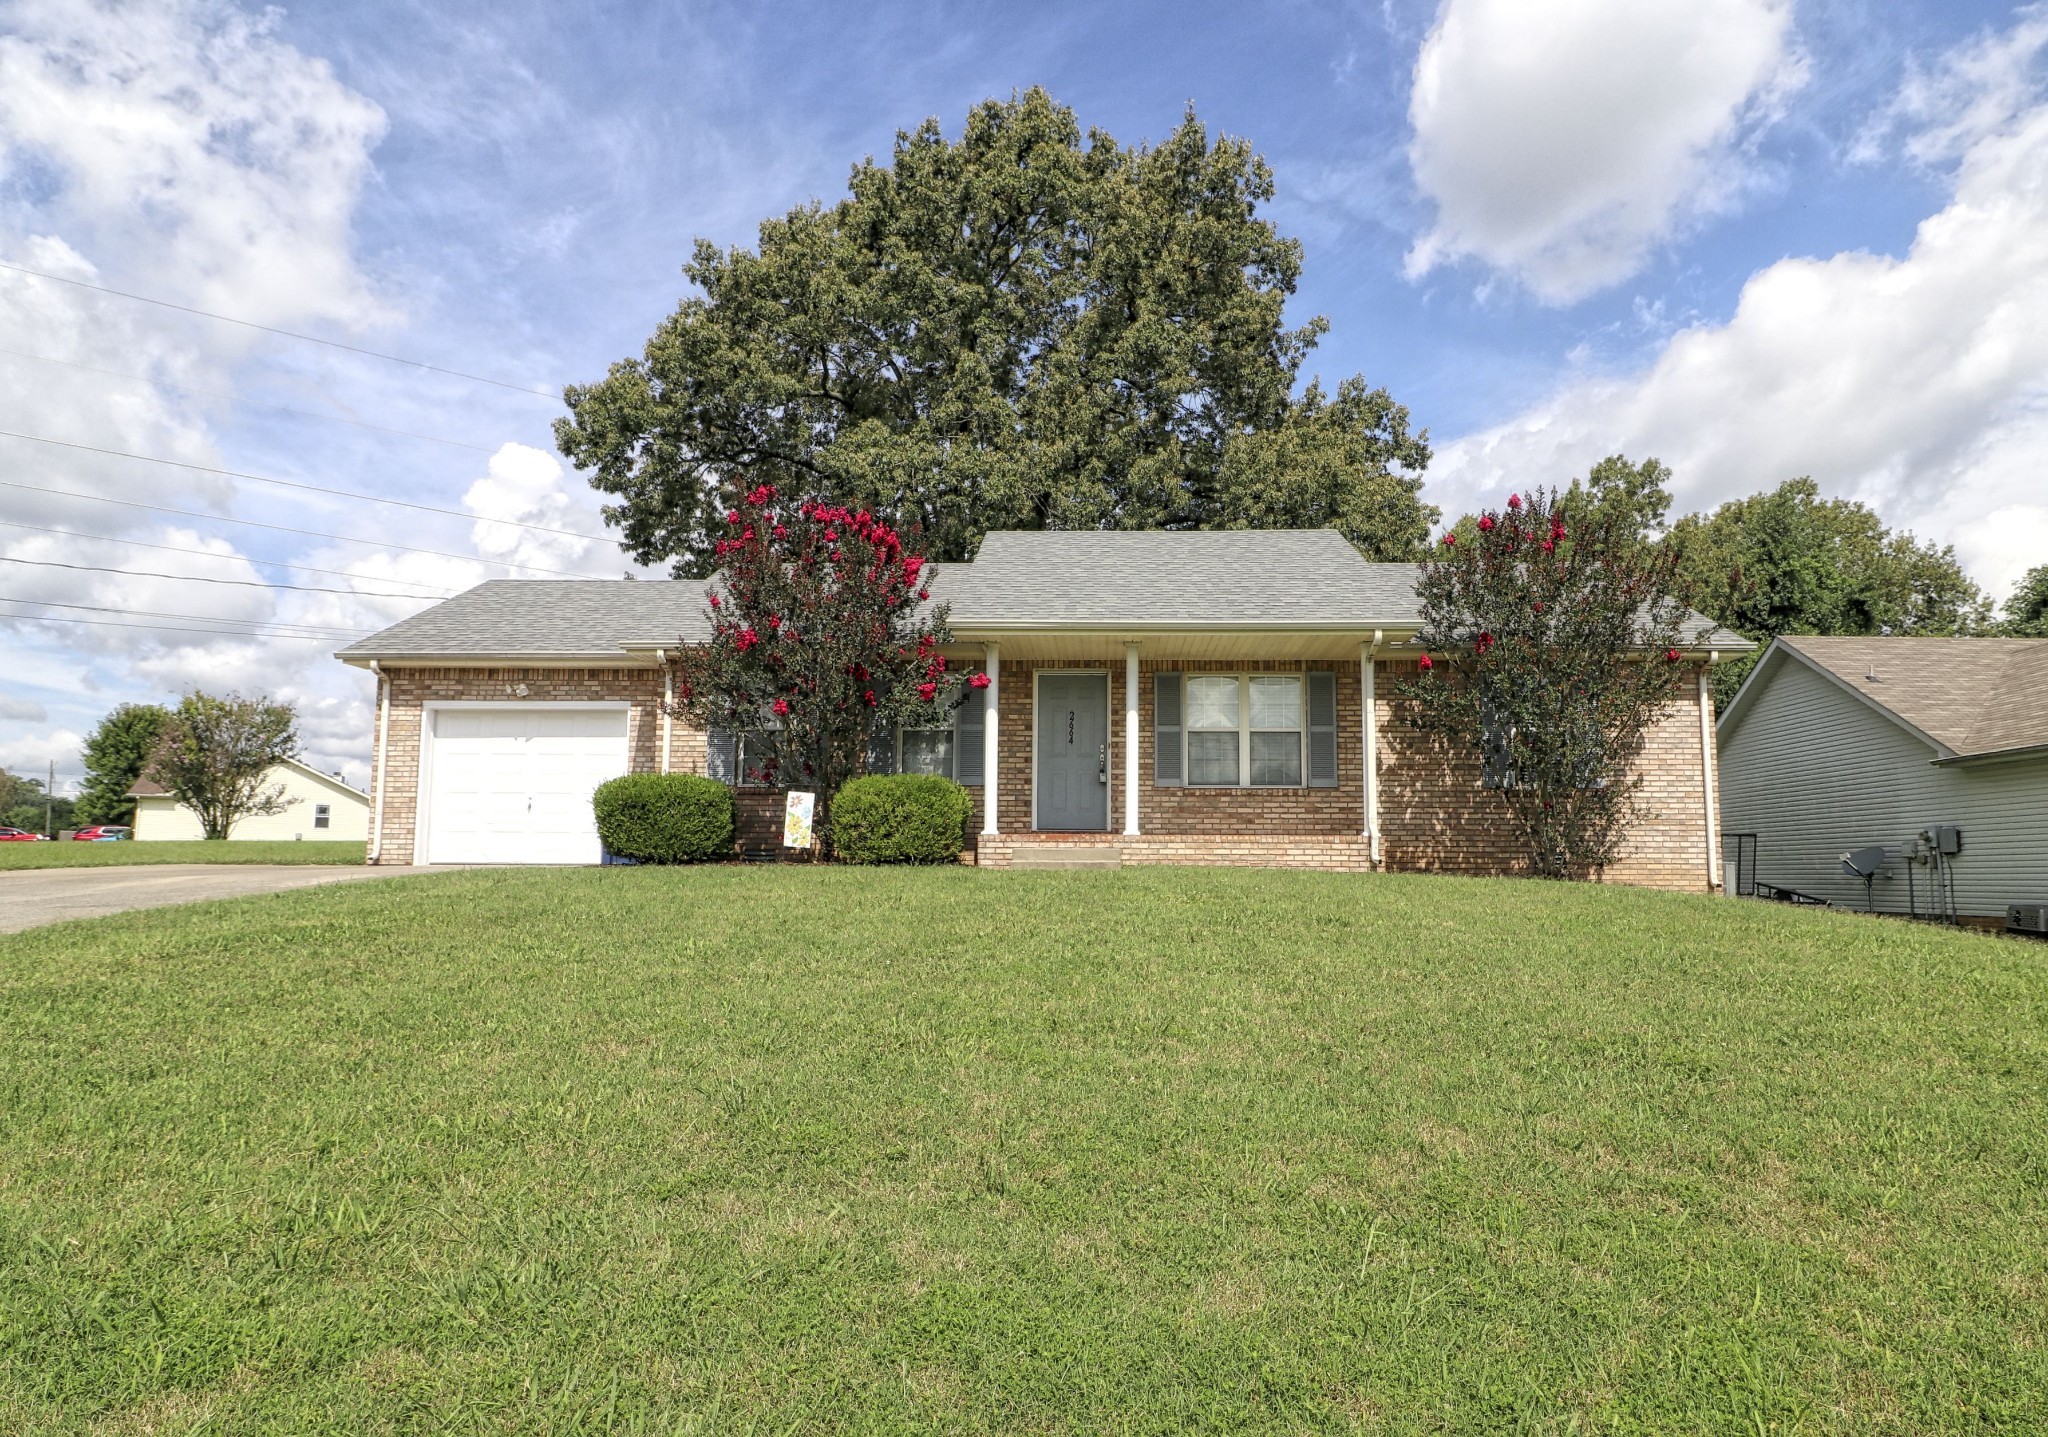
(868, 698)
(781, 708)
(1537, 606)
(927, 692)
(746, 640)
(979, 681)
(1514, 501)
(1486, 523)
(1482, 643)
(1450, 541)
(1671, 656)
(1426, 663)
(732, 516)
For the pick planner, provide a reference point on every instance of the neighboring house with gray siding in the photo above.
(1836, 744)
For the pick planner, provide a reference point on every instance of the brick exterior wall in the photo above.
(412, 688)
(1435, 817)
(1434, 814)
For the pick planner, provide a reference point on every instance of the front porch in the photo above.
(1147, 783)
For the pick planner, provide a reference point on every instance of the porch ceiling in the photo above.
(1206, 643)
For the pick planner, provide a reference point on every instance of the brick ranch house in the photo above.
(1160, 697)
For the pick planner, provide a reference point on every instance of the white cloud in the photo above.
(26, 710)
(177, 149)
(525, 485)
(1562, 141)
(1917, 384)
(31, 755)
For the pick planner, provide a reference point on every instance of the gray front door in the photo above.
(1073, 752)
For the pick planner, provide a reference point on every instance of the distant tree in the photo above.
(1634, 499)
(215, 753)
(1791, 562)
(818, 639)
(25, 804)
(2025, 615)
(1025, 328)
(115, 755)
(1550, 649)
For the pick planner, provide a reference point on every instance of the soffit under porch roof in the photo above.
(1083, 646)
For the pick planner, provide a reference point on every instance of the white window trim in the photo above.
(1244, 730)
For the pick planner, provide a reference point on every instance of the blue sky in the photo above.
(1755, 237)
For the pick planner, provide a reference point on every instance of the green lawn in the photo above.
(755, 1149)
(61, 854)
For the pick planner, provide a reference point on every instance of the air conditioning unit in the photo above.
(2027, 918)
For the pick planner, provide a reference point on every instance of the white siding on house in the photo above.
(1814, 771)
(163, 819)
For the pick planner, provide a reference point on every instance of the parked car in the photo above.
(20, 835)
(103, 833)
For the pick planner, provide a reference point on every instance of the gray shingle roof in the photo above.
(546, 618)
(1214, 579)
(1309, 577)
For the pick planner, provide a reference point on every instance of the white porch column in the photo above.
(1370, 734)
(991, 728)
(1131, 739)
(668, 697)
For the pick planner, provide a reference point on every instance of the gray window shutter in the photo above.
(969, 722)
(1322, 729)
(1496, 750)
(1168, 768)
(721, 756)
(881, 748)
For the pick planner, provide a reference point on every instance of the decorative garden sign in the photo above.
(796, 820)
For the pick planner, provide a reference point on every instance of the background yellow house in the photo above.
(322, 808)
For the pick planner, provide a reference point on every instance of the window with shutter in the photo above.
(1322, 729)
(969, 724)
(1168, 769)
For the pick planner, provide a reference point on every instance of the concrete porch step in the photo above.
(1067, 855)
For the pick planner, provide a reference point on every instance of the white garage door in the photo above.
(512, 784)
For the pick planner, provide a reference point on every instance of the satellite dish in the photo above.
(1864, 863)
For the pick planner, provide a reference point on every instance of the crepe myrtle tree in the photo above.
(819, 639)
(1549, 650)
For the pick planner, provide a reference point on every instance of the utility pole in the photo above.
(50, 800)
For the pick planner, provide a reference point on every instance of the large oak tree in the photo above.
(1022, 328)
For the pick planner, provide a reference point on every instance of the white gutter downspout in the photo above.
(668, 697)
(1370, 722)
(1714, 876)
(1131, 739)
(383, 747)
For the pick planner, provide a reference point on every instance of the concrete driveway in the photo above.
(35, 896)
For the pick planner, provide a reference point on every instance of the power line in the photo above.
(209, 554)
(308, 488)
(284, 529)
(287, 333)
(242, 399)
(202, 579)
(323, 630)
(159, 628)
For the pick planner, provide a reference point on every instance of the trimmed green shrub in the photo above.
(900, 818)
(665, 817)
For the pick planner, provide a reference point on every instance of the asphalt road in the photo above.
(35, 896)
